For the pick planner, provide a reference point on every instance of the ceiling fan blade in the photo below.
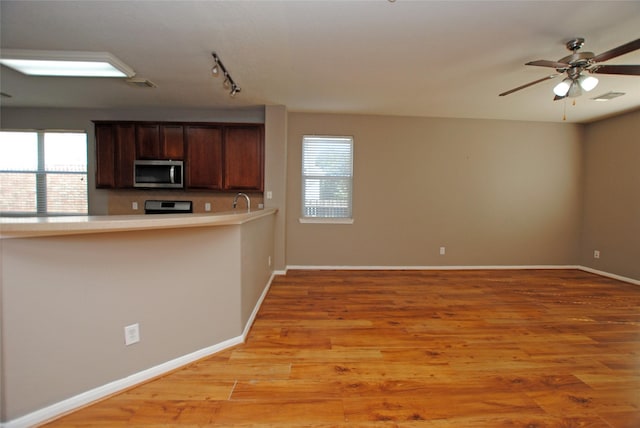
(545, 63)
(631, 70)
(620, 50)
(528, 84)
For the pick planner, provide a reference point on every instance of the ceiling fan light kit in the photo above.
(573, 65)
(573, 87)
(562, 88)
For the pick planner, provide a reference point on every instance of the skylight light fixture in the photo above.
(65, 63)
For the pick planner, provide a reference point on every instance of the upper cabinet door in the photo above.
(147, 141)
(204, 157)
(172, 142)
(244, 158)
(105, 156)
(156, 141)
(126, 138)
(115, 154)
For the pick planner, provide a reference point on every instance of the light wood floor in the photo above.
(542, 348)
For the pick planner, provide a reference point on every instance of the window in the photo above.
(327, 177)
(43, 173)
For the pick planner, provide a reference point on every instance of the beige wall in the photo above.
(612, 196)
(275, 171)
(491, 192)
(67, 299)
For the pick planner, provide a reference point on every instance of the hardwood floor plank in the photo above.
(477, 348)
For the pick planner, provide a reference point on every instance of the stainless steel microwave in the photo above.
(168, 174)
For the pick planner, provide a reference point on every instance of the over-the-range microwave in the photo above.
(168, 174)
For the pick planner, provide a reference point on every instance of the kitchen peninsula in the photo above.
(191, 282)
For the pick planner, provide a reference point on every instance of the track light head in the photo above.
(215, 71)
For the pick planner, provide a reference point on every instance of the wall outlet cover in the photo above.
(132, 334)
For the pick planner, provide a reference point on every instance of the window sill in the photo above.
(321, 220)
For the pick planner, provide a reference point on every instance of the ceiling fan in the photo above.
(577, 63)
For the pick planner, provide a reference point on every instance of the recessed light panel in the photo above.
(65, 63)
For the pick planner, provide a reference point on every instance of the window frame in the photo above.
(41, 172)
(324, 219)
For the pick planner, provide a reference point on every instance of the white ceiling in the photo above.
(409, 58)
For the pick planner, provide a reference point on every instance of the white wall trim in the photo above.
(253, 315)
(95, 394)
(610, 275)
(499, 267)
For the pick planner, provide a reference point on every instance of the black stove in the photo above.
(168, 207)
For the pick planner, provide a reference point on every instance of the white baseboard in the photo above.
(256, 308)
(500, 267)
(609, 275)
(88, 397)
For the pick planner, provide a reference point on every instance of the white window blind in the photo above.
(43, 173)
(327, 177)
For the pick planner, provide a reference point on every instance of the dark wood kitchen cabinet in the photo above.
(204, 157)
(115, 155)
(156, 141)
(218, 156)
(243, 158)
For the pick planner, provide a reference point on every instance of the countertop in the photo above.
(25, 227)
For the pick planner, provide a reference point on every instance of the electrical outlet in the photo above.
(132, 334)
(134, 206)
(207, 206)
(443, 250)
(596, 254)
(269, 261)
(269, 194)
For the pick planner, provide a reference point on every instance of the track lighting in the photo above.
(228, 82)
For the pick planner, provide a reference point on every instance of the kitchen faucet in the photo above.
(235, 201)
